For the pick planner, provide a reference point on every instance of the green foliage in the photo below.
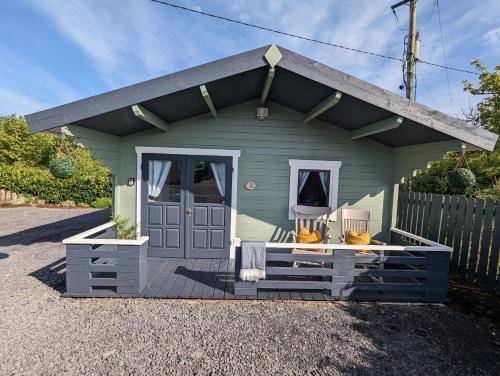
(102, 203)
(25, 160)
(487, 112)
(124, 230)
(461, 181)
(41, 183)
(17, 144)
(63, 167)
(483, 165)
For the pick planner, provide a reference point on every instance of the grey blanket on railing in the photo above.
(253, 261)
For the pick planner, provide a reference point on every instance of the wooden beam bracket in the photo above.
(377, 127)
(267, 84)
(208, 100)
(323, 106)
(149, 117)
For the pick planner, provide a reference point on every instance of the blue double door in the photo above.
(186, 205)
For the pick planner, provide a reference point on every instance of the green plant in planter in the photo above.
(102, 203)
(63, 167)
(461, 180)
(124, 230)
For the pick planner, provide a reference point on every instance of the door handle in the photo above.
(189, 211)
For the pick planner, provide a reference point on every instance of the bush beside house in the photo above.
(448, 176)
(24, 166)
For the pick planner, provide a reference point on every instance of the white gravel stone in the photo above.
(44, 334)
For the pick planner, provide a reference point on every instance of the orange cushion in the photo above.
(304, 236)
(362, 238)
(307, 237)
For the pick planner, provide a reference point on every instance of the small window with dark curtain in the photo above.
(313, 188)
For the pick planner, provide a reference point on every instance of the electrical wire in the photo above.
(444, 55)
(430, 17)
(419, 73)
(303, 37)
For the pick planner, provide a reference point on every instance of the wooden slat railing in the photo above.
(98, 265)
(470, 226)
(417, 272)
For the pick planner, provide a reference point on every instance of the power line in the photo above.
(426, 87)
(302, 37)
(430, 17)
(444, 54)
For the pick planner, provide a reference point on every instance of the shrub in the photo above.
(461, 181)
(63, 167)
(102, 203)
(40, 182)
(124, 230)
(26, 162)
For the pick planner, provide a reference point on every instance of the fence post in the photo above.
(437, 275)
(395, 206)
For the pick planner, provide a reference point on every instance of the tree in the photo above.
(487, 112)
(484, 165)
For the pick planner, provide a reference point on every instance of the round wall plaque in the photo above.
(250, 185)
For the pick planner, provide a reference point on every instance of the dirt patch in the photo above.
(474, 300)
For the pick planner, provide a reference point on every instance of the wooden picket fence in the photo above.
(471, 226)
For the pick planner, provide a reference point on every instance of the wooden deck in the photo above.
(179, 278)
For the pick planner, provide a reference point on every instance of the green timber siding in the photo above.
(366, 176)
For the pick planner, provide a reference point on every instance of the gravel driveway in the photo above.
(44, 334)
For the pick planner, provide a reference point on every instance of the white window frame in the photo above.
(301, 164)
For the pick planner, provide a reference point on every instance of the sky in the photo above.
(57, 51)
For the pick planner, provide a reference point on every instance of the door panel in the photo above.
(209, 198)
(186, 205)
(163, 200)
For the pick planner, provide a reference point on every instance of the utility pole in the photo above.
(411, 47)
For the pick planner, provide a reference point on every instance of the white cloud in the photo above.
(25, 87)
(126, 40)
(131, 40)
(15, 103)
(492, 38)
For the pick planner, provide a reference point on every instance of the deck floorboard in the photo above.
(179, 278)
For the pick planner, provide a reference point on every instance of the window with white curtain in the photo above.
(314, 183)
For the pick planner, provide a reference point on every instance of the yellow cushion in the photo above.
(362, 238)
(304, 236)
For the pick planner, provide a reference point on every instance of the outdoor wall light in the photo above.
(131, 182)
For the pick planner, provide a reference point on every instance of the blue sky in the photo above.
(55, 51)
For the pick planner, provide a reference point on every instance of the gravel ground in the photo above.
(44, 334)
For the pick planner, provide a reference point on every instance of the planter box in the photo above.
(99, 266)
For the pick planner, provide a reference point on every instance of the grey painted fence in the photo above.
(105, 270)
(405, 276)
(470, 226)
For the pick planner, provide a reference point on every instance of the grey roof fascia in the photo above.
(377, 96)
(137, 93)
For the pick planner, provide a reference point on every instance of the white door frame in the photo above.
(235, 154)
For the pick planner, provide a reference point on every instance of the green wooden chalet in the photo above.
(223, 151)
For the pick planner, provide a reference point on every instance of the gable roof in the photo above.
(299, 83)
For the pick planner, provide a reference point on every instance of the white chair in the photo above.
(312, 218)
(359, 221)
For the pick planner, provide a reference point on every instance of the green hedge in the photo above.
(40, 182)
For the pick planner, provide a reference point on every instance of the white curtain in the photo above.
(303, 175)
(323, 175)
(219, 171)
(158, 173)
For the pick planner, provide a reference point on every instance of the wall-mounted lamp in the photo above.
(131, 182)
